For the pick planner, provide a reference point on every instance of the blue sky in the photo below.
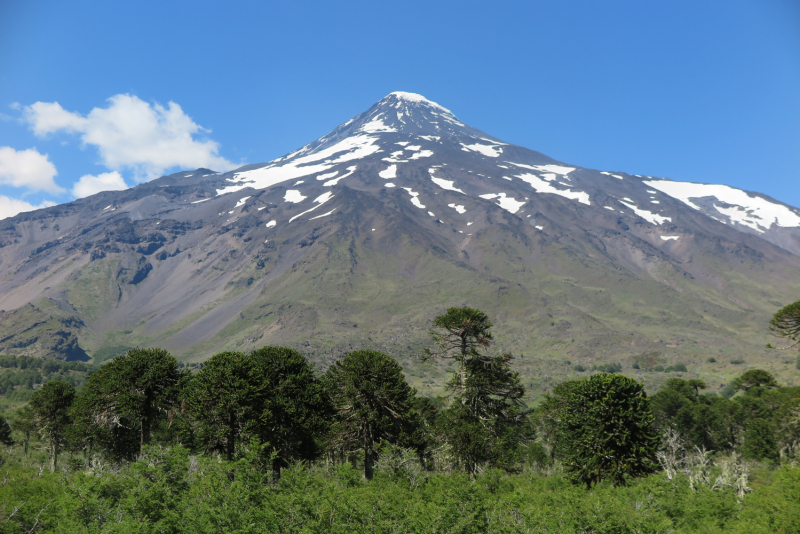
(100, 95)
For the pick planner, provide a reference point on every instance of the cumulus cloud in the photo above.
(89, 184)
(133, 134)
(29, 169)
(12, 206)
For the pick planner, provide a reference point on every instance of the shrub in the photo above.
(612, 367)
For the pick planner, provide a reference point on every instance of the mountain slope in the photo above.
(361, 237)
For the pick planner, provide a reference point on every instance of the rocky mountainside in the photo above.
(361, 237)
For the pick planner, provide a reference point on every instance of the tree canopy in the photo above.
(483, 423)
(754, 378)
(786, 323)
(221, 399)
(293, 408)
(50, 407)
(609, 431)
(372, 401)
(132, 391)
(460, 334)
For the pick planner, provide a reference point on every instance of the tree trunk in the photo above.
(368, 457)
(230, 445)
(27, 440)
(144, 436)
(276, 470)
(53, 453)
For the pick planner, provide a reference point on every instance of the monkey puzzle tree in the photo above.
(220, 399)
(372, 401)
(5, 432)
(786, 323)
(133, 389)
(548, 415)
(292, 409)
(23, 422)
(754, 378)
(50, 407)
(270, 394)
(460, 334)
(608, 431)
(484, 421)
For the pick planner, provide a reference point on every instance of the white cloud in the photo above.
(12, 206)
(27, 168)
(89, 185)
(130, 133)
(50, 117)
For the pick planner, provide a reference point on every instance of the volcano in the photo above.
(360, 238)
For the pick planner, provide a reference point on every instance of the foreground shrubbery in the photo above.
(170, 491)
(260, 442)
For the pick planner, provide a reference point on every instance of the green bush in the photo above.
(612, 367)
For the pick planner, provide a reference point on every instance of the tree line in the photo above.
(270, 403)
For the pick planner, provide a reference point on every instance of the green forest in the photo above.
(264, 442)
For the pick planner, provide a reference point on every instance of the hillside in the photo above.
(360, 238)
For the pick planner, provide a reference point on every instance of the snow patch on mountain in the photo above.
(414, 199)
(293, 195)
(542, 186)
(752, 211)
(376, 125)
(327, 175)
(389, 172)
(335, 181)
(555, 169)
(509, 204)
(492, 151)
(458, 207)
(320, 200)
(323, 215)
(649, 216)
(348, 149)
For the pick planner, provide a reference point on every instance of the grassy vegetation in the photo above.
(171, 491)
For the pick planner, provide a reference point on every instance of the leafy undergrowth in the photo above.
(170, 491)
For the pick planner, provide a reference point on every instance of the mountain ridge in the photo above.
(404, 201)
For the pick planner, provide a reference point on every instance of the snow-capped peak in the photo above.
(414, 98)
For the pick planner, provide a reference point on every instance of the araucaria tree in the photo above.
(292, 409)
(372, 401)
(608, 431)
(754, 378)
(23, 422)
(484, 422)
(460, 334)
(221, 399)
(50, 407)
(786, 323)
(5, 432)
(270, 394)
(134, 389)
